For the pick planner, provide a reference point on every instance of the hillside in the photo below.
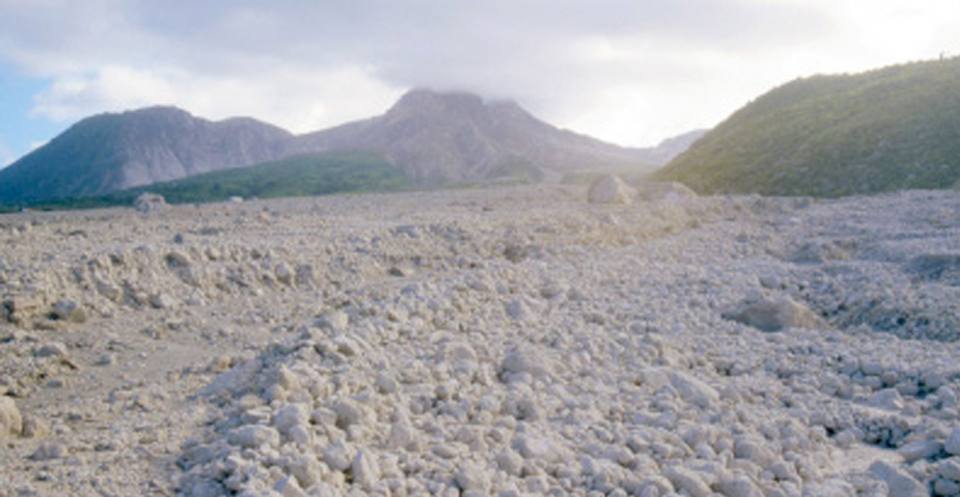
(299, 176)
(887, 129)
(111, 152)
(438, 137)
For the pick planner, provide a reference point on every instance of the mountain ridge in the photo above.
(434, 137)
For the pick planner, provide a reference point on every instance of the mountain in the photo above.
(433, 137)
(110, 152)
(449, 137)
(666, 150)
(887, 129)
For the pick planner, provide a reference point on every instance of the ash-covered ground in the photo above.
(506, 342)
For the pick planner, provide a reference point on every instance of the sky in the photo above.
(631, 72)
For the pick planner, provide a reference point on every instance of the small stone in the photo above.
(739, 487)
(333, 320)
(11, 422)
(253, 436)
(105, 360)
(687, 481)
(919, 449)
(946, 488)
(161, 301)
(339, 456)
(472, 477)
(950, 469)
(288, 487)
(52, 349)
(899, 483)
(952, 445)
(364, 469)
(34, 427)
(68, 310)
(47, 451)
(888, 399)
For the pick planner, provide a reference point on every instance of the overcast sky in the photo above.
(628, 71)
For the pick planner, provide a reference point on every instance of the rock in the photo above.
(34, 427)
(609, 189)
(148, 203)
(776, 315)
(289, 416)
(952, 445)
(52, 349)
(520, 361)
(739, 487)
(510, 462)
(339, 456)
(364, 470)
(920, 449)
(899, 483)
(950, 469)
(517, 310)
(11, 422)
(253, 436)
(333, 320)
(692, 390)
(888, 398)
(288, 487)
(946, 488)
(162, 301)
(687, 481)
(349, 413)
(472, 477)
(47, 451)
(68, 310)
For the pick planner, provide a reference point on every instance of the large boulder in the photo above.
(149, 202)
(609, 190)
(775, 315)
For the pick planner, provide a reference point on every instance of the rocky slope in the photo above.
(485, 342)
(111, 152)
(888, 129)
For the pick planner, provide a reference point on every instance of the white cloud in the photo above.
(631, 71)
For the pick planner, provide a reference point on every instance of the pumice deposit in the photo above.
(519, 341)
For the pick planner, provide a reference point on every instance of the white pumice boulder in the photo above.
(610, 189)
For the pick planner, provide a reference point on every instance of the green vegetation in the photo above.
(300, 176)
(888, 129)
(305, 175)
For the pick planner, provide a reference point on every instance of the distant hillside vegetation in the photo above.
(887, 129)
(299, 176)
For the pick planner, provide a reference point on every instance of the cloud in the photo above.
(632, 71)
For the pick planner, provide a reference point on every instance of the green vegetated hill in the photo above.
(887, 129)
(304, 175)
(298, 176)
